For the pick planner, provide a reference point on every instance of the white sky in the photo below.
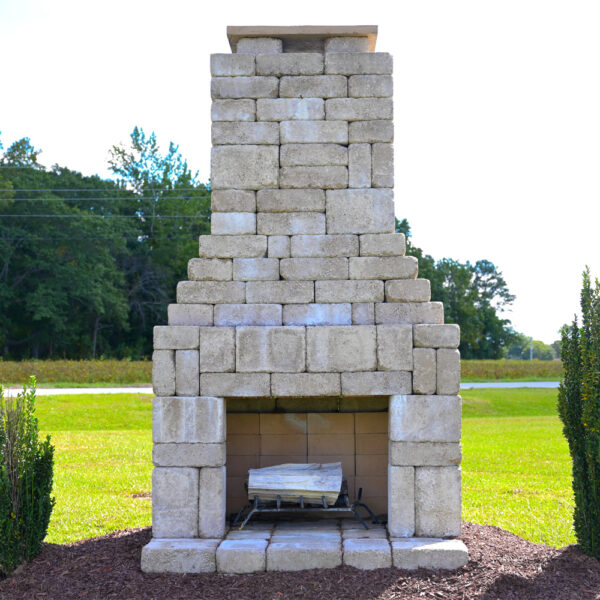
(497, 108)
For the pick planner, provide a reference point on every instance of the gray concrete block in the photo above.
(242, 556)
(190, 314)
(313, 86)
(327, 177)
(371, 132)
(383, 267)
(255, 269)
(382, 244)
(289, 63)
(242, 132)
(448, 371)
(351, 63)
(270, 349)
(349, 291)
(409, 312)
(235, 315)
(401, 501)
(436, 336)
(337, 349)
(317, 314)
(291, 223)
(359, 166)
(233, 200)
(236, 384)
(376, 383)
(187, 373)
(163, 372)
(358, 109)
(229, 65)
(313, 155)
(313, 132)
(347, 44)
(305, 200)
(314, 268)
(179, 556)
(259, 46)
(217, 344)
(370, 86)
(408, 290)
(188, 455)
(425, 454)
(290, 109)
(278, 246)
(360, 211)
(383, 165)
(305, 384)
(250, 167)
(363, 313)
(233, 110)
(299, 553)
(210, 292)
(176, 337)
(233, 246)
(394, 348)
(244, 87)
(429, 553)
(279, 292)
(424, 371)
(210, 269)
(367, 553)
(211, 503)
(233, 223)
(324, 246)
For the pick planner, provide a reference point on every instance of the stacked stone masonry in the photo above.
(303, 290)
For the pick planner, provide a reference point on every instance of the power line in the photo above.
(110, 199)
(83, 216)
(99, 190)
(140, 238)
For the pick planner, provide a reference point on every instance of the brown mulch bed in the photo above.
(502, 566)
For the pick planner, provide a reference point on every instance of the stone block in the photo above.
(290, 109)
(376, 383)
(288, 200)
(382, 244)
(394, 348)
(360, 211)
(289, 63)
(367, 553)
(424, 371)
(401, 501)
(349, 291)
(230, 65)
(448, 371)
(383, 165)
(305, 384)
(429, 553)
(425, 418)
(190, 314)
(233, 201)
(217, 344)
(233, 246)
(337, 349)
(210, 292)
(244, 87)
(250, 167)
(314, 268)
(313, 155)
(174, 502)
(383, 267)
(371, 132)
(358, 109)
(176, 337)
(189, 455)
(270, 349)
(292, 223)
(324, 246)
(279, 292)
(233, 110)
(163, 372)
(436, 336)
(241, 132)
(259, 46)
(409, 312)
(424, 454)
(329, 178)
(358, 63)
(313, 132)
(255, 269)
(278, 246)
(313, 86)
(211, 503)
(317, 314)
(370, 86)
(437, 501)
(235, 315)
(188, 420)
(347, 44)
(233, 223)
(359, 165)
(210, 269)
(236, 384)
(187, 374)
(179, 556)
(363, 313)
(242, 556)
(408, 290)
(303, 552)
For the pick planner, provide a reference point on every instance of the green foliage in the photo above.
(26, 469)
(521, 349)
(508, 370)
(579, 409)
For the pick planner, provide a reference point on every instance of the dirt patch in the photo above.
(502, 567)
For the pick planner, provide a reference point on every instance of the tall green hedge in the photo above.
(26, 468)
(579, 409)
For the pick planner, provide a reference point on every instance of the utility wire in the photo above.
(84, 215)
(97, 190)
(110, 199)
(139, 238)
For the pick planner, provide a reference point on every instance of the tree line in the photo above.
(89, 265)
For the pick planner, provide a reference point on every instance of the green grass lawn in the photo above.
(516, 466)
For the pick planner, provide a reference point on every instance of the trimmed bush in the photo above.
(26, 465)
(579, 409)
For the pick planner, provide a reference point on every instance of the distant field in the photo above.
(65, 373)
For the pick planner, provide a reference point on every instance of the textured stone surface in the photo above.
(317, 314)
(401, 501)
(314, 268)
(163, 372)
(279, 292)
(448, 371)
(367, 553)
(436, 336)
(363, 313)
(247, 314)
(210, 269)
(187, 373)
(383, 165)
(235, 384)
(429, 553)
(394, 348)
(242, 556)
(315, 86)
(169, 337)
(305, 384)
(328, 178)
(290, 223)
(383, 267)
(383, 383)
(382, 244)
(318, 132)
(289, 63)
(249, 166)
(179, 556)
(233, 223)
(211, 502)
(313, 155)
(217, 344)
(244, 87)
(188, 455)
(428, 454)
(371, 132)
(437, 501)
(232, 246)
(358, 109)
(241, 132)
(347, 44)
(270, 349)
(290, 109)
(190, 314)
(359, 166)
(302, 552)
(340, 349)
(370, 86)
(278, 246)
(377, 63)
(349, 291)
(255, 269)
(416, 418)
(408, 290)
(233, 200)
(424, 371)
(228, 65)
(233, 110)
(303, 200)
(210, 292)
(409, 312)
(259, 46)
(324, 246)
(360, 211)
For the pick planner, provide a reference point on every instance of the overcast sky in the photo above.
(497, 113)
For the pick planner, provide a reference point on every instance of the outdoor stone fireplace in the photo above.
(303, 333)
